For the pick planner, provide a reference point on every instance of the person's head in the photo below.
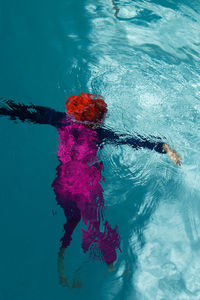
(88, 109)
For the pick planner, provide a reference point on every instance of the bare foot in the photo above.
(76, 284)
(111, 267)
(64, 281)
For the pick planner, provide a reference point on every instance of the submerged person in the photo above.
(78, 183)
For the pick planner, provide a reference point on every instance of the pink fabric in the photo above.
(79, 192)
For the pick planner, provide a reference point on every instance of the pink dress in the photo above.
(78, 191)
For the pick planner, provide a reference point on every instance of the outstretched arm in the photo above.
(31, 113)
(107, 135)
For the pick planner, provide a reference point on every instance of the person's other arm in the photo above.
(107, 135)
(31, 113)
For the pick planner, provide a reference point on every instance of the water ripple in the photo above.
(145, 63)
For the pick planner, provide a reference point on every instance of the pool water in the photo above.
(143, 57)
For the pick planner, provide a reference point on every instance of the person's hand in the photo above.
(173, 155)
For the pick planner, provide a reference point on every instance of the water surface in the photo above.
(143, 57)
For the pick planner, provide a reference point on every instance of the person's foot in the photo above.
(64, 281)
(76, 284)
(111, 267)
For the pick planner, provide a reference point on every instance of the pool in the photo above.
(143, 58)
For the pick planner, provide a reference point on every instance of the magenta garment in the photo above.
(79, 192)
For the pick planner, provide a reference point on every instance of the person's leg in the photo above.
(101, 244)
(73, 216)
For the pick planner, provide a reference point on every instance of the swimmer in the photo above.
(77, 186)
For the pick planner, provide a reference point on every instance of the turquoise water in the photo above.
(143, 57)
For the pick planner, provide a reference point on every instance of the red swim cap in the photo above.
(86, 107)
